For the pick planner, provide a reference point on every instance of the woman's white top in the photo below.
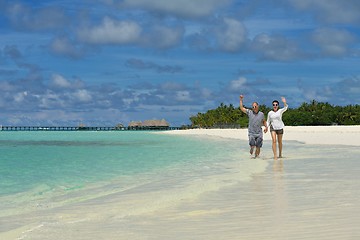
(275, 118)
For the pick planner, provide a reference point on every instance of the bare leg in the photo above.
(280, 136)
(273, 136)
(251, 150)
(257, 151)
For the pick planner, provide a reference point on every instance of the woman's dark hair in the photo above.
(276, 101)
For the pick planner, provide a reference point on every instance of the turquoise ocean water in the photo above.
(73, 159)
(55, 168)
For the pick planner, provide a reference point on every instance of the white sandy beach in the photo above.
(312, 193)
(330, 135)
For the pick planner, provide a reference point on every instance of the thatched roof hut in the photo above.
(155, 123)
(135, 124)
(150, 123)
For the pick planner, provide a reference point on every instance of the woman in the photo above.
(274, 120)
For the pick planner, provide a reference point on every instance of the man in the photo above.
(256, 121)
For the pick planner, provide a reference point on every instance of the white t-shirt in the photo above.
(275, 118)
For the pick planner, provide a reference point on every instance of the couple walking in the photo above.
(257, 120)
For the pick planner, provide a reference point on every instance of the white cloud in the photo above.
(183, 96)
(50, 100)
(61, 45)
(64, 46)
(206, 93)
(82, 95)
(60, 81)
(24, 17)
(231, 35)
(275, 47)
(333, 42)
(6, 86)
(171, 86)
(184, 8)
(20, 97)
(332, 11)
(237, 85)
(111, 32)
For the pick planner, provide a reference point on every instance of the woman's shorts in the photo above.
(278, 132)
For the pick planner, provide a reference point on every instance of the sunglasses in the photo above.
(275, 105)
(254, 106)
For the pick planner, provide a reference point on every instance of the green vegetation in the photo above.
(308, 114)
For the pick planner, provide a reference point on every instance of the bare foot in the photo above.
(251, 150)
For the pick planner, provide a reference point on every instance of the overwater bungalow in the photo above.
(149, 124)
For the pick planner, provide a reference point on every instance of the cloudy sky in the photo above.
(103, 62)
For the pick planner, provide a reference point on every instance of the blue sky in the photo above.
(104, 62)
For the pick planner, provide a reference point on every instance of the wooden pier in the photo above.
(67, 128)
